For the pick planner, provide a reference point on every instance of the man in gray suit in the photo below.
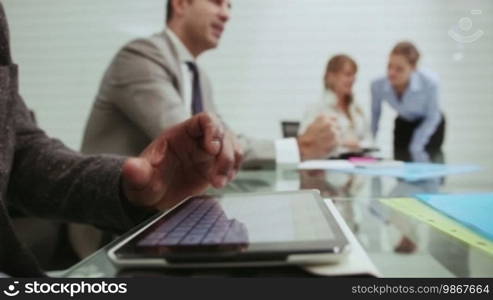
(42, 177)
(154, 83)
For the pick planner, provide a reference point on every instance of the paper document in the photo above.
(326, 164)
(406, 171)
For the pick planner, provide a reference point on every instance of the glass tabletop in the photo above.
(398, 245)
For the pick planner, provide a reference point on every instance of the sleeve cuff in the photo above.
(287, 152)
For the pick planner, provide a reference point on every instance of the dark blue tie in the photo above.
(197, 106)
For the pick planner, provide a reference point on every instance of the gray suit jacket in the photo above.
(40, 176)
(141, 95)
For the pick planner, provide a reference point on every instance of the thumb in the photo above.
(136, 174)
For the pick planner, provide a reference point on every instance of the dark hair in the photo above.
(169, 11)
(408, 50)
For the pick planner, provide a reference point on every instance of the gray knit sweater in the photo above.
(42, 177)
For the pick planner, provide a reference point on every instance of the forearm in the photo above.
(428, 126)
(422, 136)
(50, 180)
(55, 183)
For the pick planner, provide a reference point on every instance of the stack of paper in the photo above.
(406, 171)
(327, 164)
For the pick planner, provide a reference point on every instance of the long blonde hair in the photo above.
(335, 65)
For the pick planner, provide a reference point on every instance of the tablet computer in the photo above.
(237, 230)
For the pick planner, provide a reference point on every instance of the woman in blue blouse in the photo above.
(420, 126)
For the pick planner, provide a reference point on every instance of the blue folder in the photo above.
(473, 210)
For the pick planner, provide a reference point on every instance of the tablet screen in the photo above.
(293, 221)
(271, 219)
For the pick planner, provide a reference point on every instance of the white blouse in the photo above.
(357, 128)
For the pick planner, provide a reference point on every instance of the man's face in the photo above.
(205, 21)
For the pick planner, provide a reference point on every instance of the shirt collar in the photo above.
(387, 86)
(184, 54)
(415, 83)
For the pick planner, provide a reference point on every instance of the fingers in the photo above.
(224, 163)
(239, 154)
(329, 130)
(320, 138)
(191, 155)
(157, 151)
(325, 122)
(324, 118)
(321, 118)
(206, 126)
(220, 145)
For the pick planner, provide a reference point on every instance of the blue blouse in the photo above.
(419, 102)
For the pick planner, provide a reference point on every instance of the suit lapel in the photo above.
(172, 63)
(171, 60)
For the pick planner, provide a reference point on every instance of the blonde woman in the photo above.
(338, 104)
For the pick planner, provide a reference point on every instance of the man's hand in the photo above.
(237, 149)
(182, 162)
(320, 138)
(352, 144)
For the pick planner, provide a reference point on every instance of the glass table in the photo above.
(398, 245)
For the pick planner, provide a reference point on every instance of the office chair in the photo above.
(290, 128)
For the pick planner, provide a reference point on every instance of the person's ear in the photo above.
(179, 7)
